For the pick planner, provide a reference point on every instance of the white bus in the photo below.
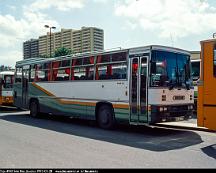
(195, 76)
(143, 85)
(6, 87)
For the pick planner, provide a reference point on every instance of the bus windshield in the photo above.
(8, 81)
(195, 70)
(170, 69)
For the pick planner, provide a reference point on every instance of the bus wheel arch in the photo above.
(105, 115)
(34, 107)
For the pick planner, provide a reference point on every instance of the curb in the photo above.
(186, 127)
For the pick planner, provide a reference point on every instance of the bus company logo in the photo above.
(178, 97)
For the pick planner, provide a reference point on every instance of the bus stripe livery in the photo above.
(143, 85)
(69, 101)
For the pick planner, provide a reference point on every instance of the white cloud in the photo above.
(101, 1)
(11, 30)
(9, 58)
(14, 31)
(61, 5)
(179, 18)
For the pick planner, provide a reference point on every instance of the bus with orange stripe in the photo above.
(6, 87)
(142, 86)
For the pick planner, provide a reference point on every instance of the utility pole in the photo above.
(50, 27)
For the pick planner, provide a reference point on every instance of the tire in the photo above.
(105, 118)
(34, 109)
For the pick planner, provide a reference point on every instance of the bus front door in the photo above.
(138, 90)
(25, 88)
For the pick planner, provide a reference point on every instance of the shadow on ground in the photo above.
(5, 109)
(210, 151)
(153, 139)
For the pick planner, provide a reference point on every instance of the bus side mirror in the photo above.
(153, 67)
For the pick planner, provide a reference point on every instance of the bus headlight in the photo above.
(161, 109)
(165, 108)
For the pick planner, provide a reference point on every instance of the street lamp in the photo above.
(50, 27)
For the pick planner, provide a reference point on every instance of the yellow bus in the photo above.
(206, 85)
(6, 87)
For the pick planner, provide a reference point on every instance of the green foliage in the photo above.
(62, 51)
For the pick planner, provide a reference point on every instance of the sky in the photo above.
(126, 23)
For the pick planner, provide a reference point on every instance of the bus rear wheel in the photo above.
(106, 119)
(34, 109)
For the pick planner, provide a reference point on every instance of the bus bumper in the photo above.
(171, 113)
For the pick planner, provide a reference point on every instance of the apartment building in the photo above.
(31, 48)
(86, 39)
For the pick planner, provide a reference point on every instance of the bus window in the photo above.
(88, 60)
(119, 57)
(42, 72)
(119, 71)
(18, 76)
(104, 58)
(55, 66)
(33, 71)
(83, 73)
(8, 81)
(63, 74)
(65, 63)
(195, 70)
(111, 66)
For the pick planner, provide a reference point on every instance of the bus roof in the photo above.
(208, 40)
(158, 47)
(131, 51)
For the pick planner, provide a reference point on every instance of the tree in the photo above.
(62, 51)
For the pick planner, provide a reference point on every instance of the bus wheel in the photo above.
(106, 119)
(34, 107)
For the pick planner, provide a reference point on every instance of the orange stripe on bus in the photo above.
(68, 102)
(120, 106)
(42, 89)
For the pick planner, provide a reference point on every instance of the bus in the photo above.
(140, 86)
(6, 87)
(206, 86)
(195, 63)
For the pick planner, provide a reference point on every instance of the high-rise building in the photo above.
(30, 48)
(87, 39)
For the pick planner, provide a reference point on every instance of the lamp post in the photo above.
(50, 27)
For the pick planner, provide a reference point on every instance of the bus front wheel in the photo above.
(106, 119)
(34, 109)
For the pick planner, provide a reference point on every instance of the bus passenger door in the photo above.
(138, 90)
(25, 88)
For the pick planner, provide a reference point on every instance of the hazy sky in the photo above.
(126, 23)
